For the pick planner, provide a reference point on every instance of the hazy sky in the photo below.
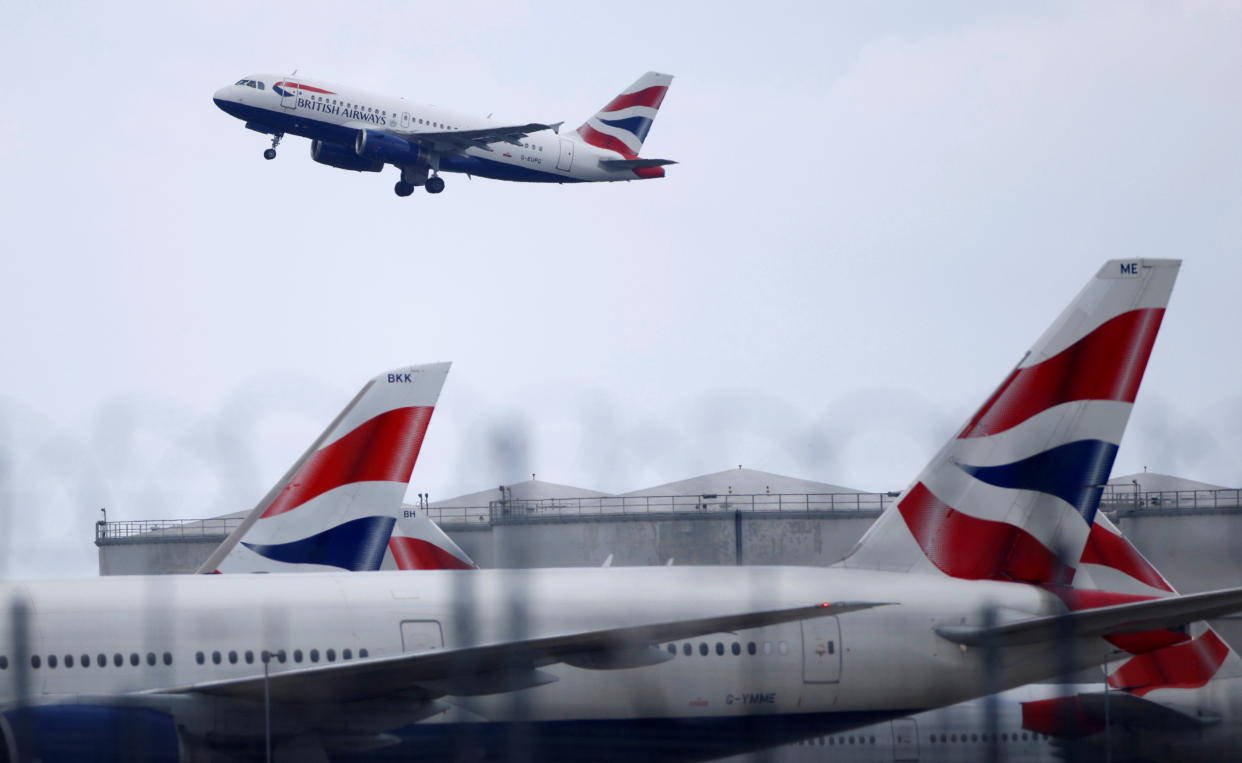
(877, 208)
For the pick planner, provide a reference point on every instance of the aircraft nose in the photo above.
(228, 100)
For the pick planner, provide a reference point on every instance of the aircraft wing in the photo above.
(459, 140)
(1134, 617)
(493, 668)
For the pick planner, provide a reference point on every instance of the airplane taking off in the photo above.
(954, 592)
(347, 489)
(353, 130)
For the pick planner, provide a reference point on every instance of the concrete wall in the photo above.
(167, 556)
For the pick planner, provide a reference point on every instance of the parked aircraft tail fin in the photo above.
(418, 543)
(622, 125)
(1110, 562)
(1013, 494)
(338, 505)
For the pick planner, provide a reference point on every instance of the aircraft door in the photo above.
(289, 94)
(565, 162)
(821, 650)
(405, 120)
(421, 635)
(905, 740)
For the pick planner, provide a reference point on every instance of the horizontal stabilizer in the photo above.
(633, 164)
(1136, 712)
(437, 671)
(1135, 617)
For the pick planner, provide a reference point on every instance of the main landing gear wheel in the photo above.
(403, 188)
(271, 152)
(435, 184)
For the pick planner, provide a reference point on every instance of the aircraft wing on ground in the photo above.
(1135, 617)
(460, 140)
(493, 668)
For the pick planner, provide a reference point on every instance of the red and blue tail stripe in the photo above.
(1012, 496)
(624, 123)
(1107, 364)
(383, 449)
(1163, 659)
(357, 545)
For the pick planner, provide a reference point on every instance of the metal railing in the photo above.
(1114, 498)
(1125, 498)
(160, 529)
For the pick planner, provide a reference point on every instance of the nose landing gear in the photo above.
(270, 153)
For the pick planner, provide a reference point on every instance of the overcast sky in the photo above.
(877, 208)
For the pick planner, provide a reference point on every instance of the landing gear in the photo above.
(435, 184)
(271, 152)
(403, 188)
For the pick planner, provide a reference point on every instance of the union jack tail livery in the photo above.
(1013, 495)
(623, 124)
(340, 505)
(1191, 680)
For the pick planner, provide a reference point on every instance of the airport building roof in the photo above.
(527, 490)
(741, 481)
(1151, 482)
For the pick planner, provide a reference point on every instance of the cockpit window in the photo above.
(261, 86)
(240, 82)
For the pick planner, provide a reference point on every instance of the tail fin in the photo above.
(1199, 656)
(1012, 496)
(337, 506)
(623, 124)
(1189, 671)
(418, 543)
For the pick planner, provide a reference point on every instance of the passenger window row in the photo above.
(346, 104)
(844, 739)
(52, 661)
(248, 656)
(1002, 737)
(735, 648)
(85, 661)
(841, 739)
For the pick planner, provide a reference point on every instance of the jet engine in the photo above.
(54, 733)
(342, 157)
(382, 147)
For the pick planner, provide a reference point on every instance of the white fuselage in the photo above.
(180, 631)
